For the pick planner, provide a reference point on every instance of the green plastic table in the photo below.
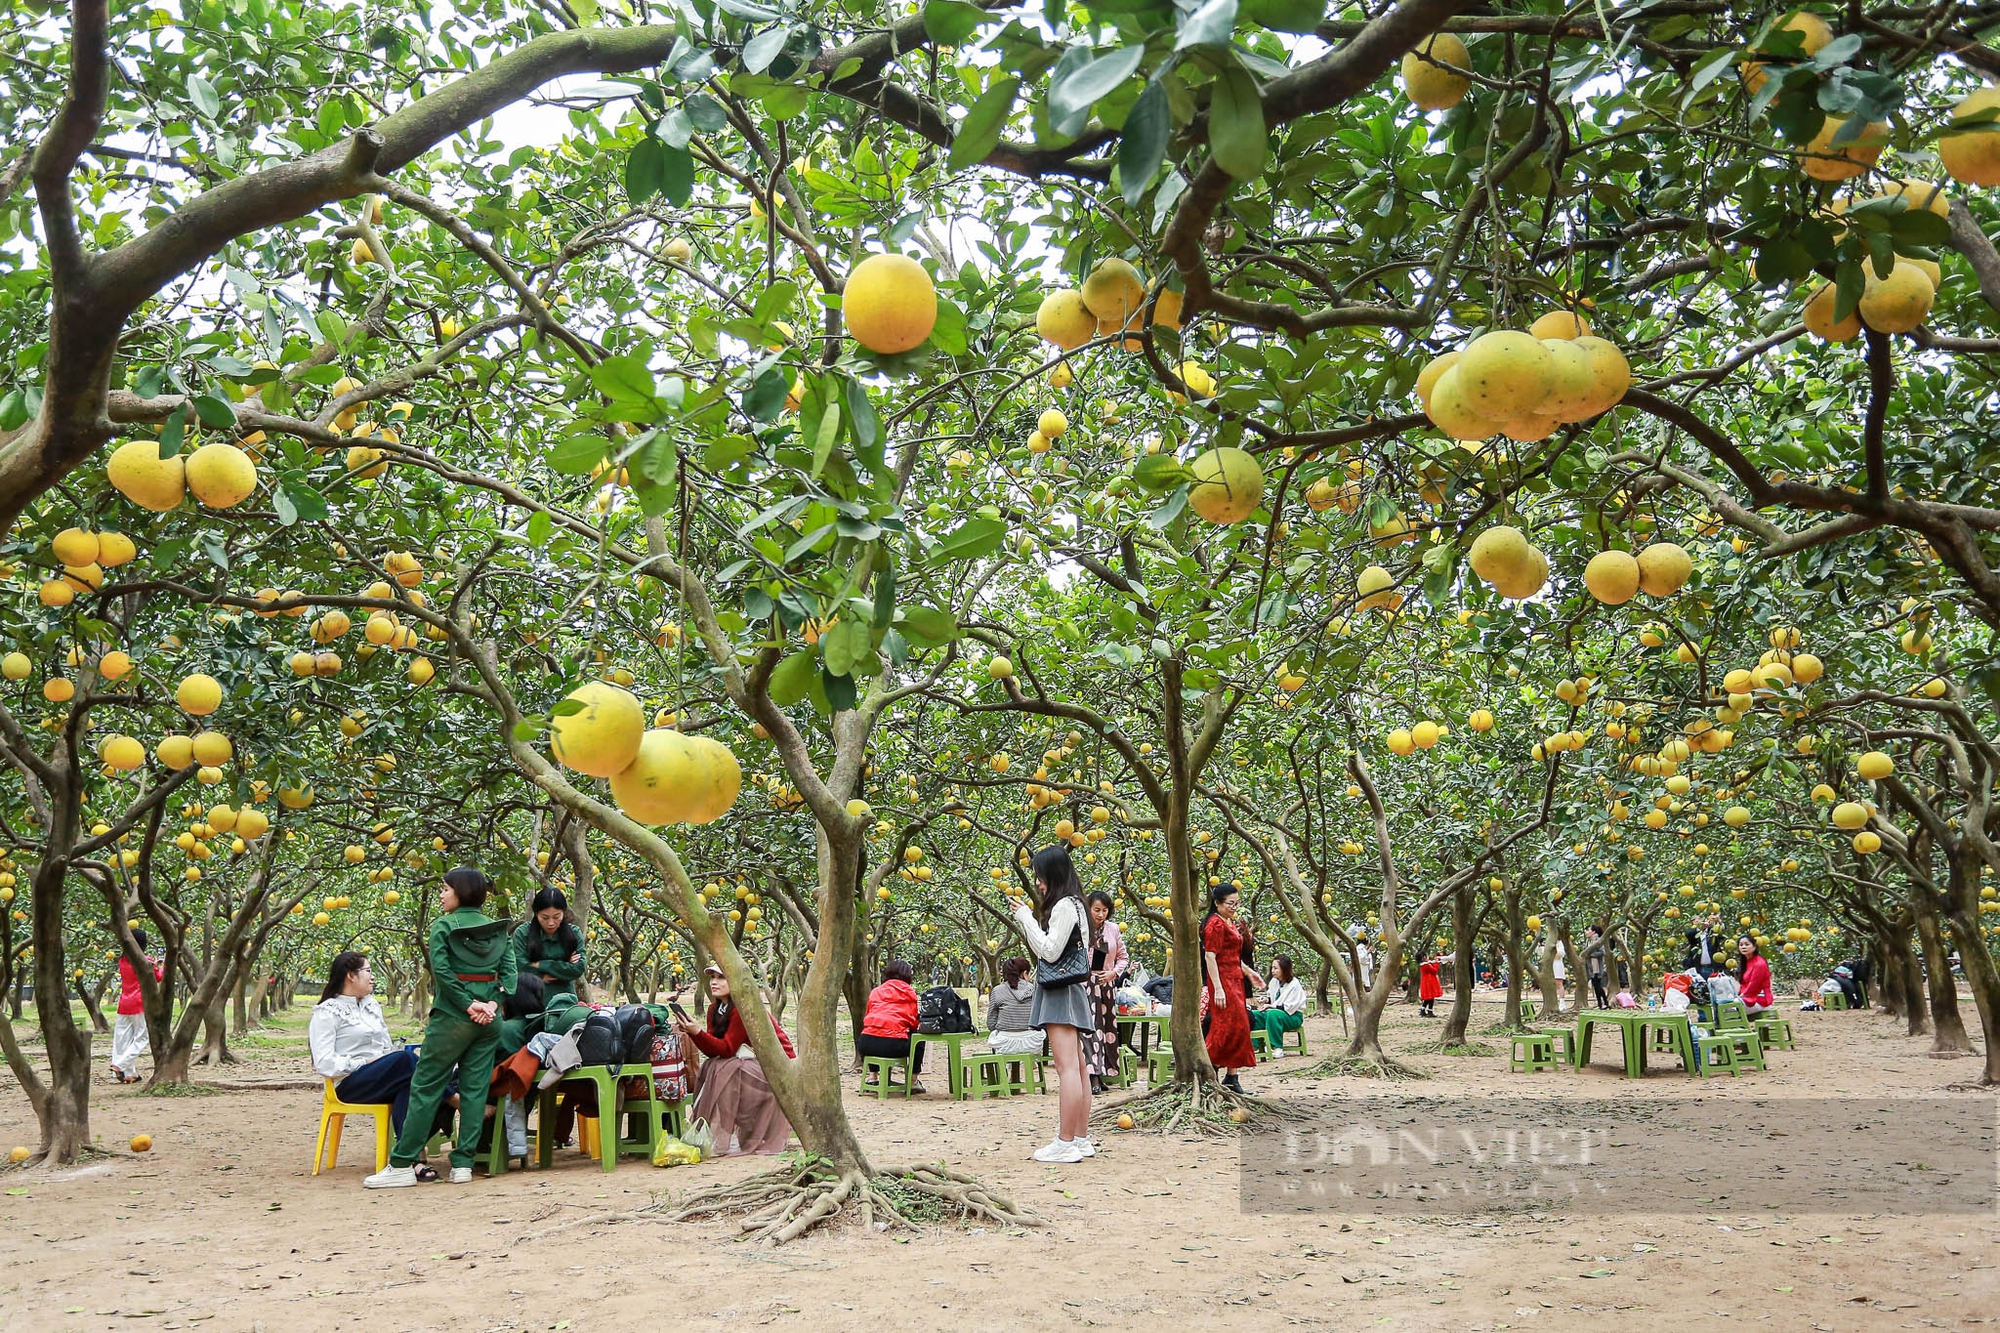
(1632, 1025)
(954, 1042)
(1143, 1026)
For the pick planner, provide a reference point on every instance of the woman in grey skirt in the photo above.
(1057, 932)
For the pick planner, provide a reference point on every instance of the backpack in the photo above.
(635, 1033)
(1698, 993)
(942, 1009)
(599, 1042)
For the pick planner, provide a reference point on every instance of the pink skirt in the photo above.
(736, 1100)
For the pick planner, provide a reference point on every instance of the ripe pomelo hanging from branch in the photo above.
(890, 303)
(602, 738)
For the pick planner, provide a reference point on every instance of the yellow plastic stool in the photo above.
(586, 1135)
(333, 1113)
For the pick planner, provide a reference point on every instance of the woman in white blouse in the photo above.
(1284, 1005)
(1058, 934)
(352, 1049)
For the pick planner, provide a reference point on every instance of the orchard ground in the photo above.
(221, 1226)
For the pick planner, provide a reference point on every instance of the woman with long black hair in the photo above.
(549, 945)
(1057, 930)
(1229, 1046)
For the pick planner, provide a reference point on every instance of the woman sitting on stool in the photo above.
(350, 1045)
(889, 1020)
(1007, 1012)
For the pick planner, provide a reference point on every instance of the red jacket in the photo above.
(733, 1036)
(1430, 985)
(892, 1011)
(130, 1001)
(1756, 986)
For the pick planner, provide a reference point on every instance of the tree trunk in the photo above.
(1463, 933)
(90, 1006)
(64, 1108)
(1511, 926)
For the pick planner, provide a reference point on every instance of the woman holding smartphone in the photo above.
(1058, 933)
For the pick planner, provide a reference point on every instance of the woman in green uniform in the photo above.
(472, 969)
(547, 945)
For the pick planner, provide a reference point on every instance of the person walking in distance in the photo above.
(129, 1040)
(1057, 930)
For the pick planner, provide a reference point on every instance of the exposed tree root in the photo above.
(1451, 1048)
(1361, 1066)
(1195, 1108)
(782, 1205)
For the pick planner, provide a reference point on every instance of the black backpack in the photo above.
(635, 1029)
(600, 1043)
(1698, 990)
(942, 1009)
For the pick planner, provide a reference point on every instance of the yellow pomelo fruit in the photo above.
(1167, 307)
(1819, 321)
(1560, 325)
(1663, 568)
(221, 475)
(122, 753)
(145, 478)
(56, 592)
(1506, 375)
(114, 549)
(199, 695)
(1874, 765)
(1052, 423)
(890, 303)
(1850, 815)
(1897, 303)
(295, 798)
(1920, 194)
(1529, 429)
(1114, 292)
(1867, 842)
(1451, 410)
(603, 739)
(1400, 741)
(1806, 669)
(1424, 734)
(1736, 816)
(1227, 487)
(1481, 720)
(114, 665)
(1811, 27)
(1376, 587)
(1429, 87)
(1499, 552)
(1612, 577)
(212, 749)
(1527, 579)
(74, 546)
(1065, 320)
(1614, 372)
(1428, 377)
(668, 782)
(176, 752)
(16, 666)
(1972, 155)
(1824, 162)
(723, 783)
(1573, 395)
(251, 824)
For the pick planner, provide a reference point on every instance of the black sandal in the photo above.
(426, 1173)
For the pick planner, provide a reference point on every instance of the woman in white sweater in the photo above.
(352, 1049)
(1058, 934)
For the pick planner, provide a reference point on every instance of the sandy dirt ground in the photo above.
(1704, 1207)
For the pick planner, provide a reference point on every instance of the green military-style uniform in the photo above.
(547, 956)
(472, 961)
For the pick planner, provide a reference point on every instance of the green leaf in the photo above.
(645, 170)
(627, 383)
(846, 644)
(765, 397)
(950, 22)
(540, 528)
(970, 540)
(1209, 25)
(577, 455)
(839, 691)
(927, 627)
(1142, 145)
(677, 175)
(1919, 226)
(948, 333)
(983, 124)
(202, 93)
(1071, 94)
(761, 50)
(867, 427)
(306, 502)
(215, 411)
(792, 679)
(826, 437)
(174, 431)
(1236, 135)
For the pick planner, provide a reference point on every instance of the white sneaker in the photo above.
(1062, 1150)
(391, 1178)
(461, 1175)
(1085, 1147)
(1278, 1054)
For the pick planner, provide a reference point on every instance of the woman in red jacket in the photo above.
(129, 1040)
(1430, 986)
(731, 1092)
(890, 1019)
(1756, 983)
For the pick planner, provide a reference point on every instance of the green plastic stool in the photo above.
(1836, 1000)
(1732, 1014)
(1565, 1044)
(1160, 1065)
(1532, 1051)
(992, 1075)
(1260, 1042)
(1300, 1033)
(1775, 1034)
(612, 1109)
(1714, 1052)
(882, 1069)
(1749, 1050)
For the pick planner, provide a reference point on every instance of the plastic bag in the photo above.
(699, 1136)
(670, 1151)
